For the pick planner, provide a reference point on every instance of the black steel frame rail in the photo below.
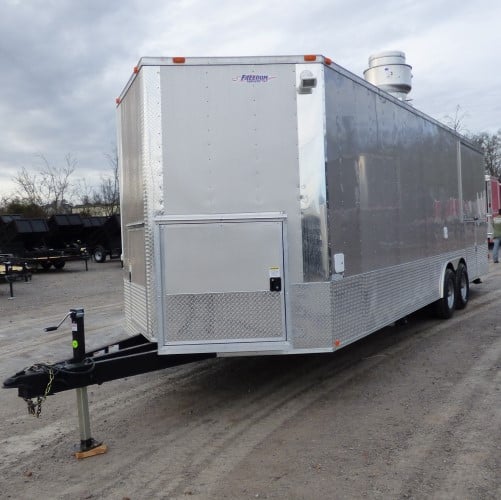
(126, 358)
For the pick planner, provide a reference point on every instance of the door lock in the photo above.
(275, 284)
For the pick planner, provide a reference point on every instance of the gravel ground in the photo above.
(413, 411)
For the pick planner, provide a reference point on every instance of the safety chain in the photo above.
(35, 409)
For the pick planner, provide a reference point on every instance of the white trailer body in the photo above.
(284, 205)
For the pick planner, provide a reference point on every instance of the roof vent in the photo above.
(388, 71)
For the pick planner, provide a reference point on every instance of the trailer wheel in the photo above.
(462, 286)
(59, 264)
(444, 307)
(45, 264)
(99, 254)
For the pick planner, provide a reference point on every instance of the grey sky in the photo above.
(65, 61)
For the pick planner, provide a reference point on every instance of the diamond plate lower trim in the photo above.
(136, 318)
(319, 314)
(152, 161)
(310, 314)
(216, 317)
(351, 308)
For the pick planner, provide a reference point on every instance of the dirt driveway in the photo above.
(413, 411)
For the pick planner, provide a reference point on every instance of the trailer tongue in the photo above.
(132, 356)
(126, 358)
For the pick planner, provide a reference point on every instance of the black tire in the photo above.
(462, 286)
(45, 264)
(99, 254)
(444, 307)
(59, 264)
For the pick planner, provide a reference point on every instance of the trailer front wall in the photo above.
(232, 147)
(230, 177)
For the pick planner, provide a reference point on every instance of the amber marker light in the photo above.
(136, 69)
(328, 61)
(117, 100)
(179, 60)
(310, 57)
(337, 342)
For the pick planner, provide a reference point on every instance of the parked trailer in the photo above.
(274, 205)
(18, 234)
(284, 205)
(65, 231)
(103, 237)
(40, 243)
(12, 270)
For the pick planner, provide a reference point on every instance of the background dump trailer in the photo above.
(43, 243)
(102, 237)
(283, 204)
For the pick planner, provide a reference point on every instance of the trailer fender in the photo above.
(462, 282)
(446, 304)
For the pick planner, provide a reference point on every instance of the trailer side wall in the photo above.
(133, 205)
(404, 198)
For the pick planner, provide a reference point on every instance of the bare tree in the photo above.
(83, 194)
(456, 121)
(29, 186)
(47, 186)
(108, 192)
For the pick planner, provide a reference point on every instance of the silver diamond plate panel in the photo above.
(153, 179)
(128, 307)
(236, 316)
(479, 256)
(349, 309)
(136, 318)
(310, 315)
(482, 259)
(365, 303)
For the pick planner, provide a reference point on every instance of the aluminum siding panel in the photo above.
(233, 145)
(392, 181)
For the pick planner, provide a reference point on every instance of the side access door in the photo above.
(222, 283)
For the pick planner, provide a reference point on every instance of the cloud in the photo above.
(64, 62)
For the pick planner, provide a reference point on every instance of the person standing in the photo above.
(496, 235)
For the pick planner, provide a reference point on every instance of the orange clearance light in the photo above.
(179, 60)
(337, 343)
(310, 57)
(117, 100)
(328, 61)
(136, 69)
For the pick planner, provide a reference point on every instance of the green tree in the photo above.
(21, 207)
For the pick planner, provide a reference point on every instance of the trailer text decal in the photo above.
(253, 78)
